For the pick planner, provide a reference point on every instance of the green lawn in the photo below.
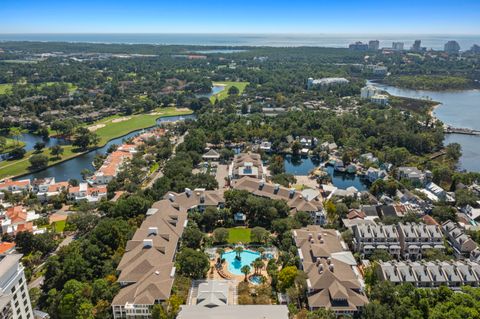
(20, 167)
(237, 235)
(5, 88)
(11, 144)
(223, 94)
(59, 226)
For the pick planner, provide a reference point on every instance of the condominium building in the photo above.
(325, 82)
(14, 298)
(334, 281)
(397, 46)
(367, 238)
(246, 164)
(417, 46)
(198, 199)
(306, 201)
(431, 274)
(415, 239)
(147, 268)
(373, 45)
(452, 47)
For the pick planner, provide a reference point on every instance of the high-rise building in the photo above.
(452, 47)
(358, 46)
(417, 45)
(397, 46)
(475, 49)
(374, 45)
(14, 299)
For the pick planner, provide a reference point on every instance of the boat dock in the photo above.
(458, 130)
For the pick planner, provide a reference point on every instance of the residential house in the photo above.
(413, 174)
(85, 191)
(16, 219)
(15, 186)
(462, 244)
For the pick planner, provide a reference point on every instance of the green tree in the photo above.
(192, 263)
(286, 277)
(245, 270)
(56, 150)
(220, 235)
(259, 234)
(39, 146)
(38, 161)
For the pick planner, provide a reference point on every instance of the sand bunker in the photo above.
(93, 128)
(121, 119)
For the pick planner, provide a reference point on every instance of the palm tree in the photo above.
(245, 270)
(238, 252)
(220, 252)
(257, 264)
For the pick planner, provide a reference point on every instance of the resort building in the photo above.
(14, 299)
(246, 164)
(432, 274)
(234, 312)
(307, 201)
(452, 47)
(197, 200)
(211, 155)
(397, 46)
(461, 243)
(334, 281)
(147, 268)
(373, 45)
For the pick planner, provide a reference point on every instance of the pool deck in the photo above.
(238, 278)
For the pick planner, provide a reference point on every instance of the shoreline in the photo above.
(89, 150)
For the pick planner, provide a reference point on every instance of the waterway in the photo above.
(302, 166)
(73, 167)
(458, 109)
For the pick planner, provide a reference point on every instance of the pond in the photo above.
(235, 265)
(215, 90)
(302, 166)
(73, 167)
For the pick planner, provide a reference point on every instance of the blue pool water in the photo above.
(256, 280)
(235, 265)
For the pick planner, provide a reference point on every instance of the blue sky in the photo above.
(246, 16)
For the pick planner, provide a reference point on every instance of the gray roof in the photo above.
(234, 312)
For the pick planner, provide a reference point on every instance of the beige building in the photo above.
(147, 268)
(334, 281)
(247, 165)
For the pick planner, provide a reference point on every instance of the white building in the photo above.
(14, 299)
(323, 82)
(397, 46)
(381, 99)
(368, 91)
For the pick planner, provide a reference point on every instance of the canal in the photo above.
(73, 167)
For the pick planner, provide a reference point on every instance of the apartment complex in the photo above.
(112, 165)
(334, 281)
(325, 82)
(431, 274)
(197, 199)
(147, 268)
(409, 240)
(246, 165)
(306, 201)
(14, 298)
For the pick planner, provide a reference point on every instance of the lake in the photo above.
(215, 90)
(458, 109)
(73, 167)
(298, 165)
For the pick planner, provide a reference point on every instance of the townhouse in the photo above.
(85, 191)
(461, 243)
(112, 165)
(16, 219)
(15, 186)
(431, 274)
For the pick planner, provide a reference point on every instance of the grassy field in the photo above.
(239, 235)
(5, 88)
(114, 128)
(59, 226)
(224, 93)
(11, 144)
(21, 166)
(111, 130)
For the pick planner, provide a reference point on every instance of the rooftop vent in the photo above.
(152, 231)
(147, 243)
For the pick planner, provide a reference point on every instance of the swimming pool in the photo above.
(235, 265)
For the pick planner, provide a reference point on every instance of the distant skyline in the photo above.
(208, 16)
